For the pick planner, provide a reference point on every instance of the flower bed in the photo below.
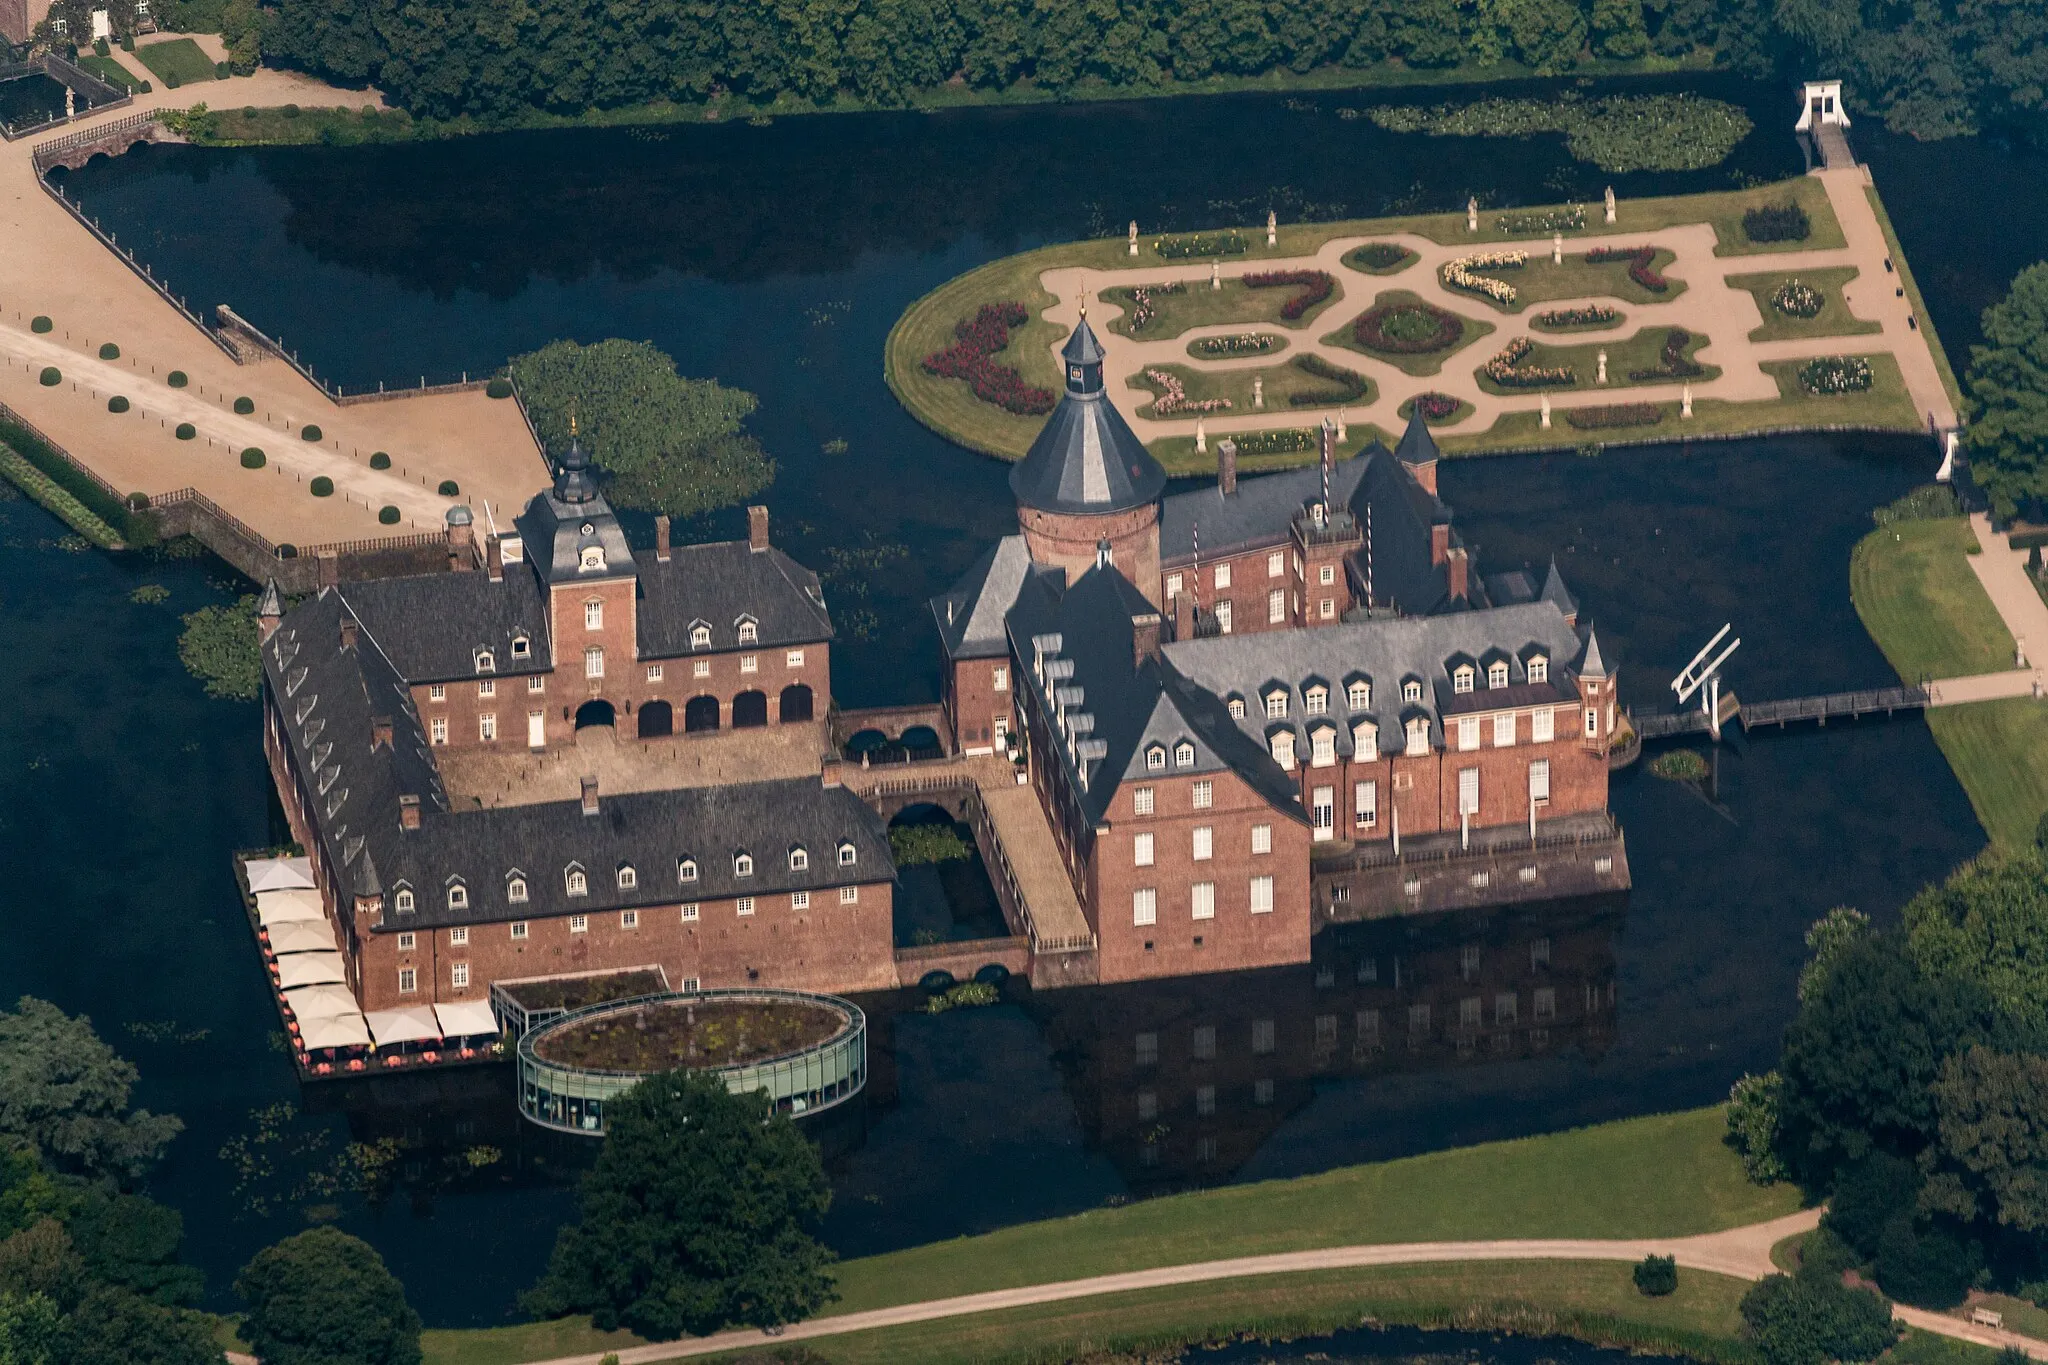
(1570, 319)
(1314, 284)
(1557, 220)
(1407, 329)
(1616, 415)
(1462, 274)
(1826, 375)
(979, 338)
(1672, 361)
(1638, 258)
(1435, 407)
(1276, 442)
(1351, 385)
(1797, 299)
(1232, 243)
(1776, 223)
(1240, 343)
(1143, 311)
(1174, 398)
(1508, 371)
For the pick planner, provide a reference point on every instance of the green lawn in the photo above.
(1282, 383)
(110, 70)
(1925, 1348)
(1541, 281)
(1999, 751)
(523, 1342)
(1642, 351)
(1179, 456)
(1356, 262)
(1920, 314)
(176, 62)
(1834, 319)
(1422, 365)
(1913, 587)
(1197, 305)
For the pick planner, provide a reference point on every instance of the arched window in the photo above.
(403, 902)
(700, 636)
(1418, 735)
(742, 864)
(799, 860)
(846, 853)
(1155, 758)
(593, 614)
(1183, 754)
(1360, 695)
(1237, 708)
(458, 897)
(1282, 744)
(486, 662)
(628, 878)
(593, 662)
(1496, 674)
(1365, 741)
(515, 889)
(575, 882)
(749, 632)
(686, 870)
(1322, 747)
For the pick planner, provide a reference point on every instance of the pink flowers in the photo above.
(1638, 257)
(980, 337)
(1315, 287)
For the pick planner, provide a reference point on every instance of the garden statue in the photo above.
(1258, 392)
(70, 102)
(1340, 424)
(1610, 203)
(1272, 229)
(1134, 236)
(1201, 437)
(1685, 402)
(1603, 367)
(1546, 412)
(1472, 214)
(1557, 248)
(1215, 275)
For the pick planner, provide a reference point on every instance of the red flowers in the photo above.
(1638, 257)
(978, 338)
(1435, 407)
(1315, 287)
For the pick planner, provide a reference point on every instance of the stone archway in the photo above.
(657, 719)
(700, 715)
(795, 703)
(596, 711)
(749, 709)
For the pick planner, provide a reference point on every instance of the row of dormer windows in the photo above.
(1183, 756)
(576, 881)
(1465, 676)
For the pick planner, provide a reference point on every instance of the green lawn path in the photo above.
(1999, 751)
(176, 62)
(1913, 587)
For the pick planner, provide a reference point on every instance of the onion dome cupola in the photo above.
(1086, 460)
(570, 532)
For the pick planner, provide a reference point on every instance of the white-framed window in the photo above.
(799, 900)
(1221, 578)
(1141, 800)
(629, 919)
(1592, 723)
(1223, 610)
(750, 663)
(408, 980)
(1497, 674)
(1276, 563)
(792, 658)
(522, 647)
(692, 984)
(402, 902)
(593, 614)
(1545, 1005)
(1323, 810)
(1276, 704)
(700, 668)
(1365, 804)
(1276, 606)
(593, 662)
(1183, 755)
(1173, 585)
(1461, 679)
(1468, 791)
(406, 942)
(1468, 732)
(579, 924)
(1365, 742)
(686, 869)
(1142, 851)
(458, 936)
(847, 855)
(746, 905)
(1322, 747)
(799, 859)
(1155, 759)
(1326, 575)
(458, 975)
(437, 730)
(1202, 900)
(591, 560)
(1503, 729)
(1203, 843)
(654, 672)
(575, 882)
(487, 726)
(742, 864)
(999, 678)
(536, 682)
(700, 636)
(1538, 668)
(1202, 795)
(1262, 895)
(1329, 608)
(1282, 745)
(1359, 695)
(1542, 725)
(1539, 780)
(437, 691)
(518, 930)
(1001, 729)
(690, 912)
(750, 633)
(487, 688)
(1145, 906)
(629, 877)
(1315, 701)
(1411, 690)
(1418, 736)
(458, 897)
(849, 895)
(1262, 838)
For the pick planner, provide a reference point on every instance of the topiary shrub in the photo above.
(387, 515)
(186, 431)
(117, 404)
(40, 323)
(109, 351)
(244, 406)
(176, 379)
(291, 111)
(448, 488)
(1776, 223)
(253, 458)
(380, 461)
(321, 487)
(309, 432)
(1656, 1276)
(498, 388)
(220, 71)
(248, 111)
(52, 376)
(171, 81)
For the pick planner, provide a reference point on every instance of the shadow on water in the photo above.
(777, 258)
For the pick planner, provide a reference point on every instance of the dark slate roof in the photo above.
(1086, 460)
(1417, 446)
(719, 584)
(556, 531)
(1554, 590)
(1261, 510)
(970, 613)
(650, 831)
(431, 626)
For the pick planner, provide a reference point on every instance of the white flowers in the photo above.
(1175, 396)
(1461, 274)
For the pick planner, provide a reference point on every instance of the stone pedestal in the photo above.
(1685, 402)
(1272, 228)
(1258, 392)
(1215, 275)
(1472, 214)
(1546, 412)
(1610, 204)
(1201, 437)
(1557, 248)
(1603, 368)
(1134, 236)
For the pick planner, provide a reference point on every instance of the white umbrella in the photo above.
(414, 1025)
(342, 1030)
(466, 1019)
(301, 936)
(280, 874)
(310, 969)
(320, 1002)
(284, 907)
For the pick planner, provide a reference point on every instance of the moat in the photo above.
(776, 258)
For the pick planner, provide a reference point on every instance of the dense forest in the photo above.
(1930, 67)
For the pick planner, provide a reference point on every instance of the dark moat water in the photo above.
(1410, 1346)
(776, 259)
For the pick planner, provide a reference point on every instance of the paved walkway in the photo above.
(1709, 305)
(2003, 572)
(51, 265)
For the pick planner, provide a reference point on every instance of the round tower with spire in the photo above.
(1088, 481)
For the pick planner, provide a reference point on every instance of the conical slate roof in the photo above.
(1592, 666)
(1086, 460)
(1417, 445)
(1555, 591)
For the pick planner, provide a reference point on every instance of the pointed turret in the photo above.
(1555, 592)
(1417, 451)
(574, 483)
(1591, 665)
(1086, 459)
(269, 609)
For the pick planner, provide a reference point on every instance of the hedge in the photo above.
(109, 351)
(387, 515)
(186, 431)
(252, 458)
(58, 500)
(380, 461)
(244, 406)
(133, 527)
(499, 388)
(449, 489)
(117, 404)
(309, 432)
(40, 323)
(321, 487)
(52, 376)
(176, 379)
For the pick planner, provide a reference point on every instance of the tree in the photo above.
(1992, 1153)
(1656, 1276)
(1988, 924)
(325, 1298)
(2008, 381)
(29, 1330)
(115, 1327)
(41, 1260)
(1618, 28)
(132, 1243)
(669, 444)
(1808, 1320)
(1825, 940)
(66, 1092)
(694, 1217)
(1753, 1123)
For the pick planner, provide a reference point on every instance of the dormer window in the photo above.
(591, 560)
(522, 647)
(1359, 695)
(1365, 741)
(1411, 690)
(575, 882)
(1183, 755)
(742, 864)
(799, 860)
(1237, 708)
(486, 662)
(686, 870)
(1276, 705)
(403, 901)
(1322, 747)
(847, 855)
(700, 636)
(593, 614)
(458, 896)
(1155, 758)
(1539, 668)
(1282, 744)
(1316, 700)
(750, 634)
(628, 878)
(1418, 735)
(1461, 680)
(1496, 675)
(515, 889)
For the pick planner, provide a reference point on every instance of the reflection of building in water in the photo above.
(1181, 1081)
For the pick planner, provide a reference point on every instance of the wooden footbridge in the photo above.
(1754, 715)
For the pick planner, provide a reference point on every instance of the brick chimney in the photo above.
(408, 812)
(829, 771)
(1226, 467)
(380, 733)
(494, 558)
(348, 632)
(461, 540)
(757, 528)
(661, 546)
(1460, 571)
(1184, 616)
(330, 569)
(1439, 542)
(590, 796)
(1144, 638)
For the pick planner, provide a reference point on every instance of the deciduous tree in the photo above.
(2008, 380)
(66, 1093)
(324, 1298)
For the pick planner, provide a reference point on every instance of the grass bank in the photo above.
(1999, 751)
(1834, 318)
(45, 490)
(1914, 589)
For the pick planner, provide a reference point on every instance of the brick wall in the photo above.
(976, 707)
(1069, 542)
